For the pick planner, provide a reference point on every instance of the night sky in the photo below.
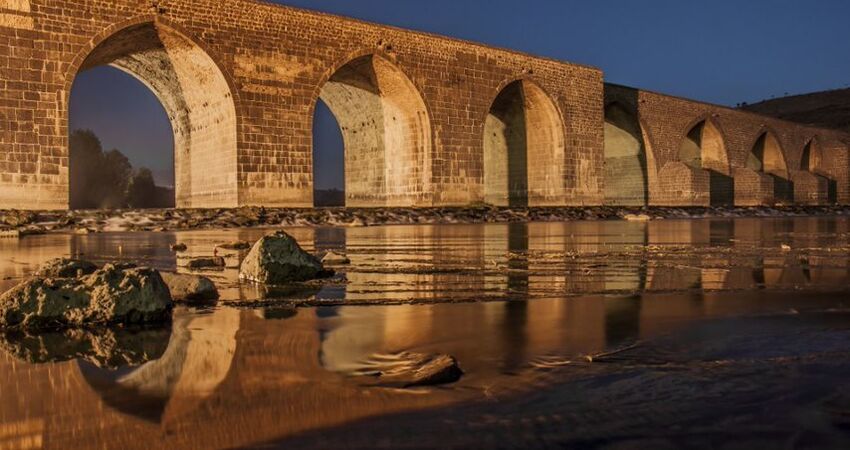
(722, 51)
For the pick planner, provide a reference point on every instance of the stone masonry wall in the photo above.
(276, 61)
(270, 64)
(667, 120)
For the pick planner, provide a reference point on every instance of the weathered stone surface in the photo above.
(179, 248)
(278, 259)
(107, 347)
(413, 109)
(415, 369)
(190, 288)
(205, 262)
(237, 245)
(108, 296)
(14, 218)
(65, 268)
(335, 258)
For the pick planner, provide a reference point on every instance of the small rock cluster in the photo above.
(22, 223)
(68, 293)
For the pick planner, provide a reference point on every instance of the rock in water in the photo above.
(237, 245)
(190, 288)
(408, 370)
(211, 262)
(111, 295)
(278, 259)
(65, 268)
(335, 258)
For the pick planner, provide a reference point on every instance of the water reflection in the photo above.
(432, 263)
(108, 348)
(229, 377)
(232, 377)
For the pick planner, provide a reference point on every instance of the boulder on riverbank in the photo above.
(190, 288)
(278, 259)
(112, 295)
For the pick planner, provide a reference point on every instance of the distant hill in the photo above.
(828, 109)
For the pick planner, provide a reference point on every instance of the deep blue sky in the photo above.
(721, 51)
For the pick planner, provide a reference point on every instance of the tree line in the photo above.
(107, 180)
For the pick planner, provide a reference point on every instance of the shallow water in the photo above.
(696, 329)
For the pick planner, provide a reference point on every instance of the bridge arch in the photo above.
(196, 92)
(703, 148)
(813, 184)
(524, 147)
(386, 130)
(767, 156)
(811, 158)
(629, 163)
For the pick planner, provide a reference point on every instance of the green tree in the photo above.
(142, 192)
(98, 179)
(86, 154)
(116, 171)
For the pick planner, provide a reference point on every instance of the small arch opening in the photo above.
(812, 162)
(703, 149)
(767, 157)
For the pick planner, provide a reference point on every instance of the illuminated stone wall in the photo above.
(240, 80)
(706, 154)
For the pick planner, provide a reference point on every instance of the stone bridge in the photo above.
(426, 120)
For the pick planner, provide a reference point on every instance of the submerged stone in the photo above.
(190, 288)
(206, 263)
(237, 245)
(111, 295)
(65, 268)
(417, 369)
(335, 258)
(278, 259)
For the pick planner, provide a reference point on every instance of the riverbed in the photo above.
(605, 334)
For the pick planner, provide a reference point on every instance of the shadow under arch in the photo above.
(811, 161)
(767, 156)
(704, 148)
(195, 92)
(629, 164)
(386, 130)
(523, 148)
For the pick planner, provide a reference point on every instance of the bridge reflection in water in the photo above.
(230, 377)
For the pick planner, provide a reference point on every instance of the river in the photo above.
(604, 334)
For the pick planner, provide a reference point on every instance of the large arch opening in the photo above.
(703, 148)
(121, 145)
(197, 99)
(812, 162)
(386, 134)
(523, 148)
(626, 170)
(767, 157)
